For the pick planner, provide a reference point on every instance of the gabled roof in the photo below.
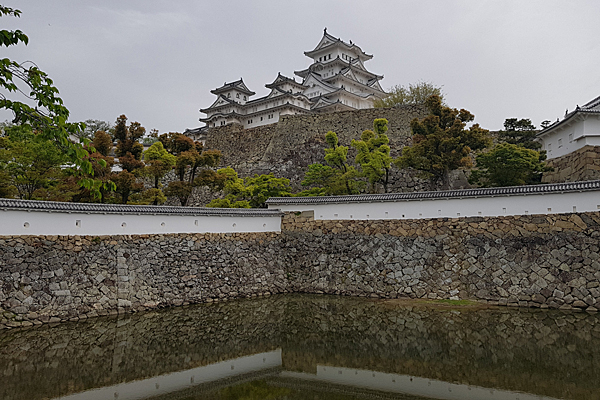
(220, 102)
(356, 65)
(280, 80)
(195, 131)
(343, 76)
(238, 85)
(313, 76)
(329, 41)
(374, 83)
(220, 114)
(591, 107)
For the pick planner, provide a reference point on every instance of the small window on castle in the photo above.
(559, 143)
(244, 98)
(228, 95)
(261, 118)
(237, 95)
(570, 137)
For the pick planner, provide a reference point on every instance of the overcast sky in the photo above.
(156, 61)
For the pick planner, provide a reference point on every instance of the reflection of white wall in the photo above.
(162, 384)
(549, 203)
(396, 383)
(23, 222)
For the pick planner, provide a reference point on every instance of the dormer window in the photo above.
(244, 98)
(237, 95)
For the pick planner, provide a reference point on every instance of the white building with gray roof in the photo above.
(336, 80)
(579, 128)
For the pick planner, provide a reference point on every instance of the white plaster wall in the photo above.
(455, 208)
(18, 222)
(584, 132)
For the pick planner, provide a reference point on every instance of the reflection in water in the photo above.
(300, 347)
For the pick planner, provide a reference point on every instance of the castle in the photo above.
(337, 80)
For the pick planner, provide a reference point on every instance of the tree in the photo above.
(128, 137)
(149, 196)
(413, 94)
(48, 116)
(250, 192)
(374, 154)
(442, 143)
(507, 165)
(29, 160)
(180, 189)
(335, 178)
(176, 143)
(194, 165)
(102, 142)
(520, 132)
(126, 185)
(158, 162)
(92, 126)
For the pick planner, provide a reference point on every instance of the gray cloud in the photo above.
(156, 61)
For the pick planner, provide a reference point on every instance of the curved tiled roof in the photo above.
(55, 206)
(446, 194)
(588, 108)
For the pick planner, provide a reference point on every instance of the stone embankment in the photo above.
(581, 165)
(288, 147)
(531, 261)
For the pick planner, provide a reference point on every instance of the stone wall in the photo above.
(288, 147)
(58, 278)
(531, 261)
(581, 165)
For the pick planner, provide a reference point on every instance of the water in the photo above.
(308, 347)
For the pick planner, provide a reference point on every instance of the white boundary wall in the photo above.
(486, 206)
(44, 222)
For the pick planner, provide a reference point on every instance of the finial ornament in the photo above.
(325, 30)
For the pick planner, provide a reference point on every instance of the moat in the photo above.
(308, 347)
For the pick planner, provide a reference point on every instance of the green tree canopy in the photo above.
(374, 154)
(158, 163)
(335, 178)
(252, 192)
(520, 132)
(28, 161)
(413, 94)
(507, 165)
(442, 142)
(102, 143)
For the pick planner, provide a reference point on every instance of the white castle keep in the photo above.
(336, 80)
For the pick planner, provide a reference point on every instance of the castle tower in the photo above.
(338, 79)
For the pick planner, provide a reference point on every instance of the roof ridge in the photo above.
(592, 103)
(476, 192)
(56, 206)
